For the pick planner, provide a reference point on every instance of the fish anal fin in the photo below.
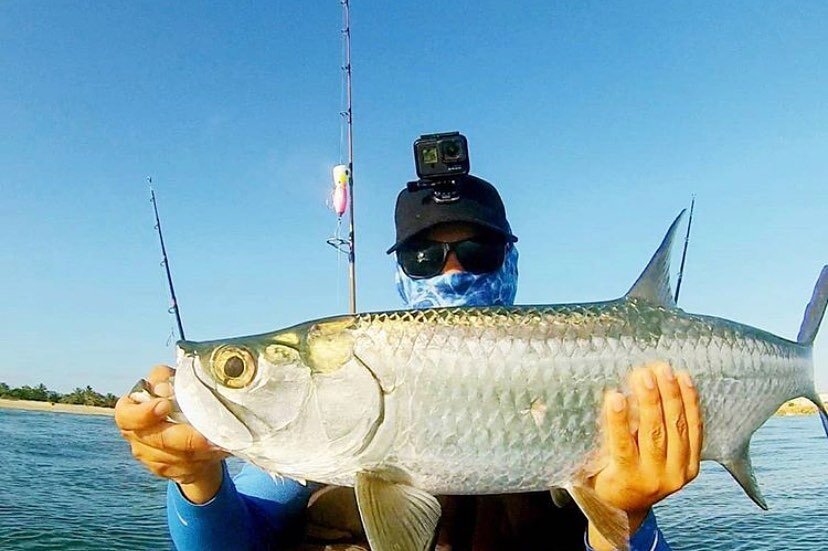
(396, 516)
(612, 523)
(741, 468)
(653, 285)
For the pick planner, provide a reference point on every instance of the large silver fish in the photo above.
(406, 405)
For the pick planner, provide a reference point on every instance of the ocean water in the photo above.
(69, 482)
(790, 458)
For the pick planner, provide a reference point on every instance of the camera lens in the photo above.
(451, 150)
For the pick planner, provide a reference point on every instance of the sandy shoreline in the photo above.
(55, 408)
(799, 406)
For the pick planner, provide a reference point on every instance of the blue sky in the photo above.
(597, 121)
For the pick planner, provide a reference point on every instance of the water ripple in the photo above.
(69, 482)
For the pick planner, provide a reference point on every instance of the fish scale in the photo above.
(743, 376)
(409, 404)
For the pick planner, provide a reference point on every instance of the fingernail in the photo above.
(161, 408)
(617, 402)
(668, 372)
(649, 380)
(685, 379)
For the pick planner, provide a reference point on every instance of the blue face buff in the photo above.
(496, 288)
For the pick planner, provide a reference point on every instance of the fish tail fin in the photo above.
(814, 313)
(821, 409)
(815, 310)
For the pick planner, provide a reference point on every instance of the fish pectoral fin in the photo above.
(741, 468)
(613, 523)
(396, 516)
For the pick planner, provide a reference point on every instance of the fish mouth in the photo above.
(185, 349)
(187, 359)
(142, 391)
(224, 425)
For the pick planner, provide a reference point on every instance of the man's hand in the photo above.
(661, 456)
(170, 450)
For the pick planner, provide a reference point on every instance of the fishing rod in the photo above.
(165, 262)
(346, 8)
(343, 194)
(684, 252)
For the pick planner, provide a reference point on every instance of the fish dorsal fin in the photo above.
(395, 515)
(653, 285)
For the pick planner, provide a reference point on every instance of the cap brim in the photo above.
(508, 236)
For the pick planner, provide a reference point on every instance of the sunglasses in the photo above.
(478, 255)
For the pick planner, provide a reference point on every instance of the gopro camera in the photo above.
(440, 157)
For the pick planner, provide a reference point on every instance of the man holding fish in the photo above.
(456, 253)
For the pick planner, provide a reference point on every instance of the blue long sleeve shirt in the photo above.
(254, 511)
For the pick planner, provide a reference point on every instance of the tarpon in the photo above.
(406, 405)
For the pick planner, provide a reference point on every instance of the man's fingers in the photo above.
(130, 415)
(163, 389)
(147, 453)
(652, 434)
(182, 474)
(620, 443)
(678, 445)
(175, 438)
(160, 373)
(695, 429)
(673, 406)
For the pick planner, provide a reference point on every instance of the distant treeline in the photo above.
(81, 396)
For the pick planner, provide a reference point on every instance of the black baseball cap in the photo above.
(478, 202)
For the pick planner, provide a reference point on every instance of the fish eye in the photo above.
(233, 367)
